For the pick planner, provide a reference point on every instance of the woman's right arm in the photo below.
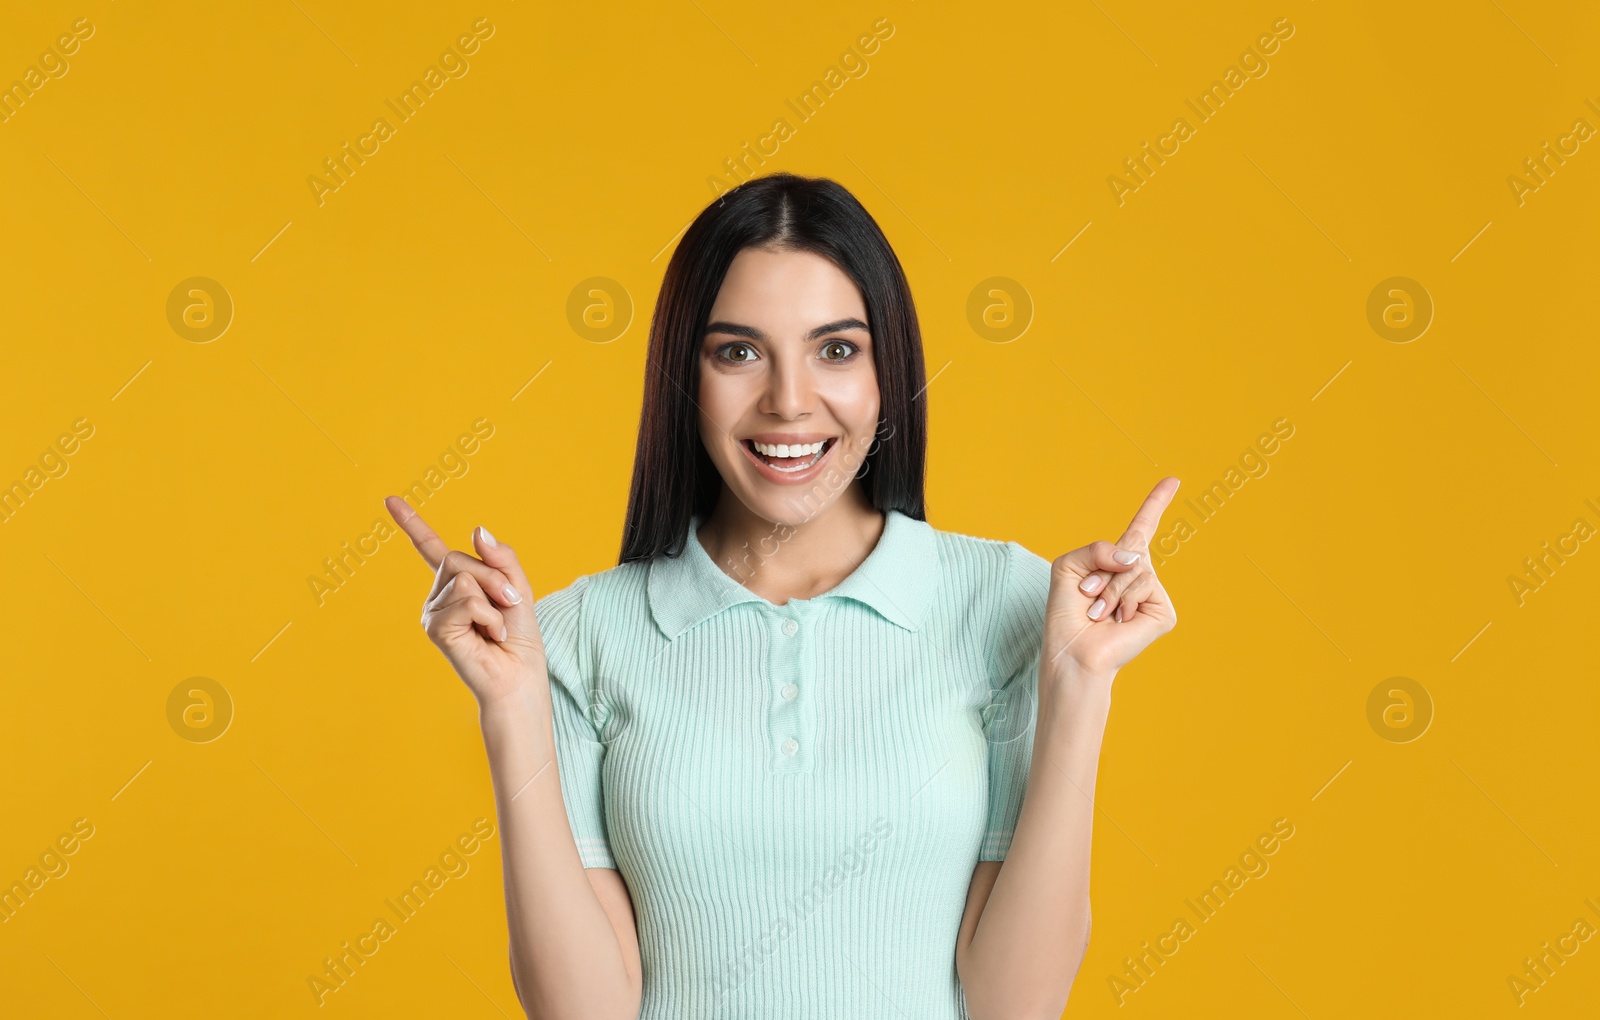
(574, 947)
(588, 964)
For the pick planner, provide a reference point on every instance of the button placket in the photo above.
(789, 715)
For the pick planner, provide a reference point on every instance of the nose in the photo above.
(790, 388)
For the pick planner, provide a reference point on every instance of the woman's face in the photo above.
(786, 367)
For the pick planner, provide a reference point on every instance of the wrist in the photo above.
(1072, 673)
(516, 703)
(1078, 687)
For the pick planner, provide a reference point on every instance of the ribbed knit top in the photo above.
(797, 795)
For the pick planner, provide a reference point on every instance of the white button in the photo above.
(790, 747)
(789, 691)
(789, 627)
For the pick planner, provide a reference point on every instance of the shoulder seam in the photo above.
(957, 535)
(584, 652)
(997, 619)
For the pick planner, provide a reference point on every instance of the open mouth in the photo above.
(789, 459)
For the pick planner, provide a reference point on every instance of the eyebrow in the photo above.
(735, 329)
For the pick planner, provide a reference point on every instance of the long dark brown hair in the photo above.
(673, 475)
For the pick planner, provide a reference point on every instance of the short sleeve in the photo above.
(580, 752)
(1009, 716)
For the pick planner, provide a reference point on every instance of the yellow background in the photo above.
(370, 331)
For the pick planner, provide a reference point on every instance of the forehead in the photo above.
(798, 288)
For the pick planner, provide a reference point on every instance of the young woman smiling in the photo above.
(799, 754)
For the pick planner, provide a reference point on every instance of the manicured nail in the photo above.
(1096, 609)
(1124, 556)
(489, 541)
(512, 596)
(1091, 584)
(502, 632)
(1117, 616)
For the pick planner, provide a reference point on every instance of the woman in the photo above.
(799, 754)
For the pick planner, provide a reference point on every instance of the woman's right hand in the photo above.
(479, 612)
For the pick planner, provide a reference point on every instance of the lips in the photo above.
(793, 469)
(786, 461)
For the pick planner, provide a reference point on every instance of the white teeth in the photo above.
(812, 451)
(787, 450)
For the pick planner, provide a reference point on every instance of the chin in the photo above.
(793, 483)
(794, 509)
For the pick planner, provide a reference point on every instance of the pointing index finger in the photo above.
(426, 540)
(1143, 526)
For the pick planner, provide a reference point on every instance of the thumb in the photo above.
(1065, 597)
(1069, 570)
(1068, 603)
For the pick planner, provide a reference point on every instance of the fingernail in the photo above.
(1090, 584)
(502, 632)
(1124, 556)
(1096, 609)
(488, 539)
(511, 595)
(1117, 616)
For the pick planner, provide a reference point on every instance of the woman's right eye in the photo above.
(738, 345)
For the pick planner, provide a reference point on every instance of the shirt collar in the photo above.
(896, 580)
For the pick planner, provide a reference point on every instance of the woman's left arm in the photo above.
(1026, 926)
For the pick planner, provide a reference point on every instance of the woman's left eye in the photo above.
(849, 349)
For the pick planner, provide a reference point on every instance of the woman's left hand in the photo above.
(1102, 611)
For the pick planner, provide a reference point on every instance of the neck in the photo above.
(782, 561)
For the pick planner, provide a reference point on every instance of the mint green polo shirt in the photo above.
(797, 795)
